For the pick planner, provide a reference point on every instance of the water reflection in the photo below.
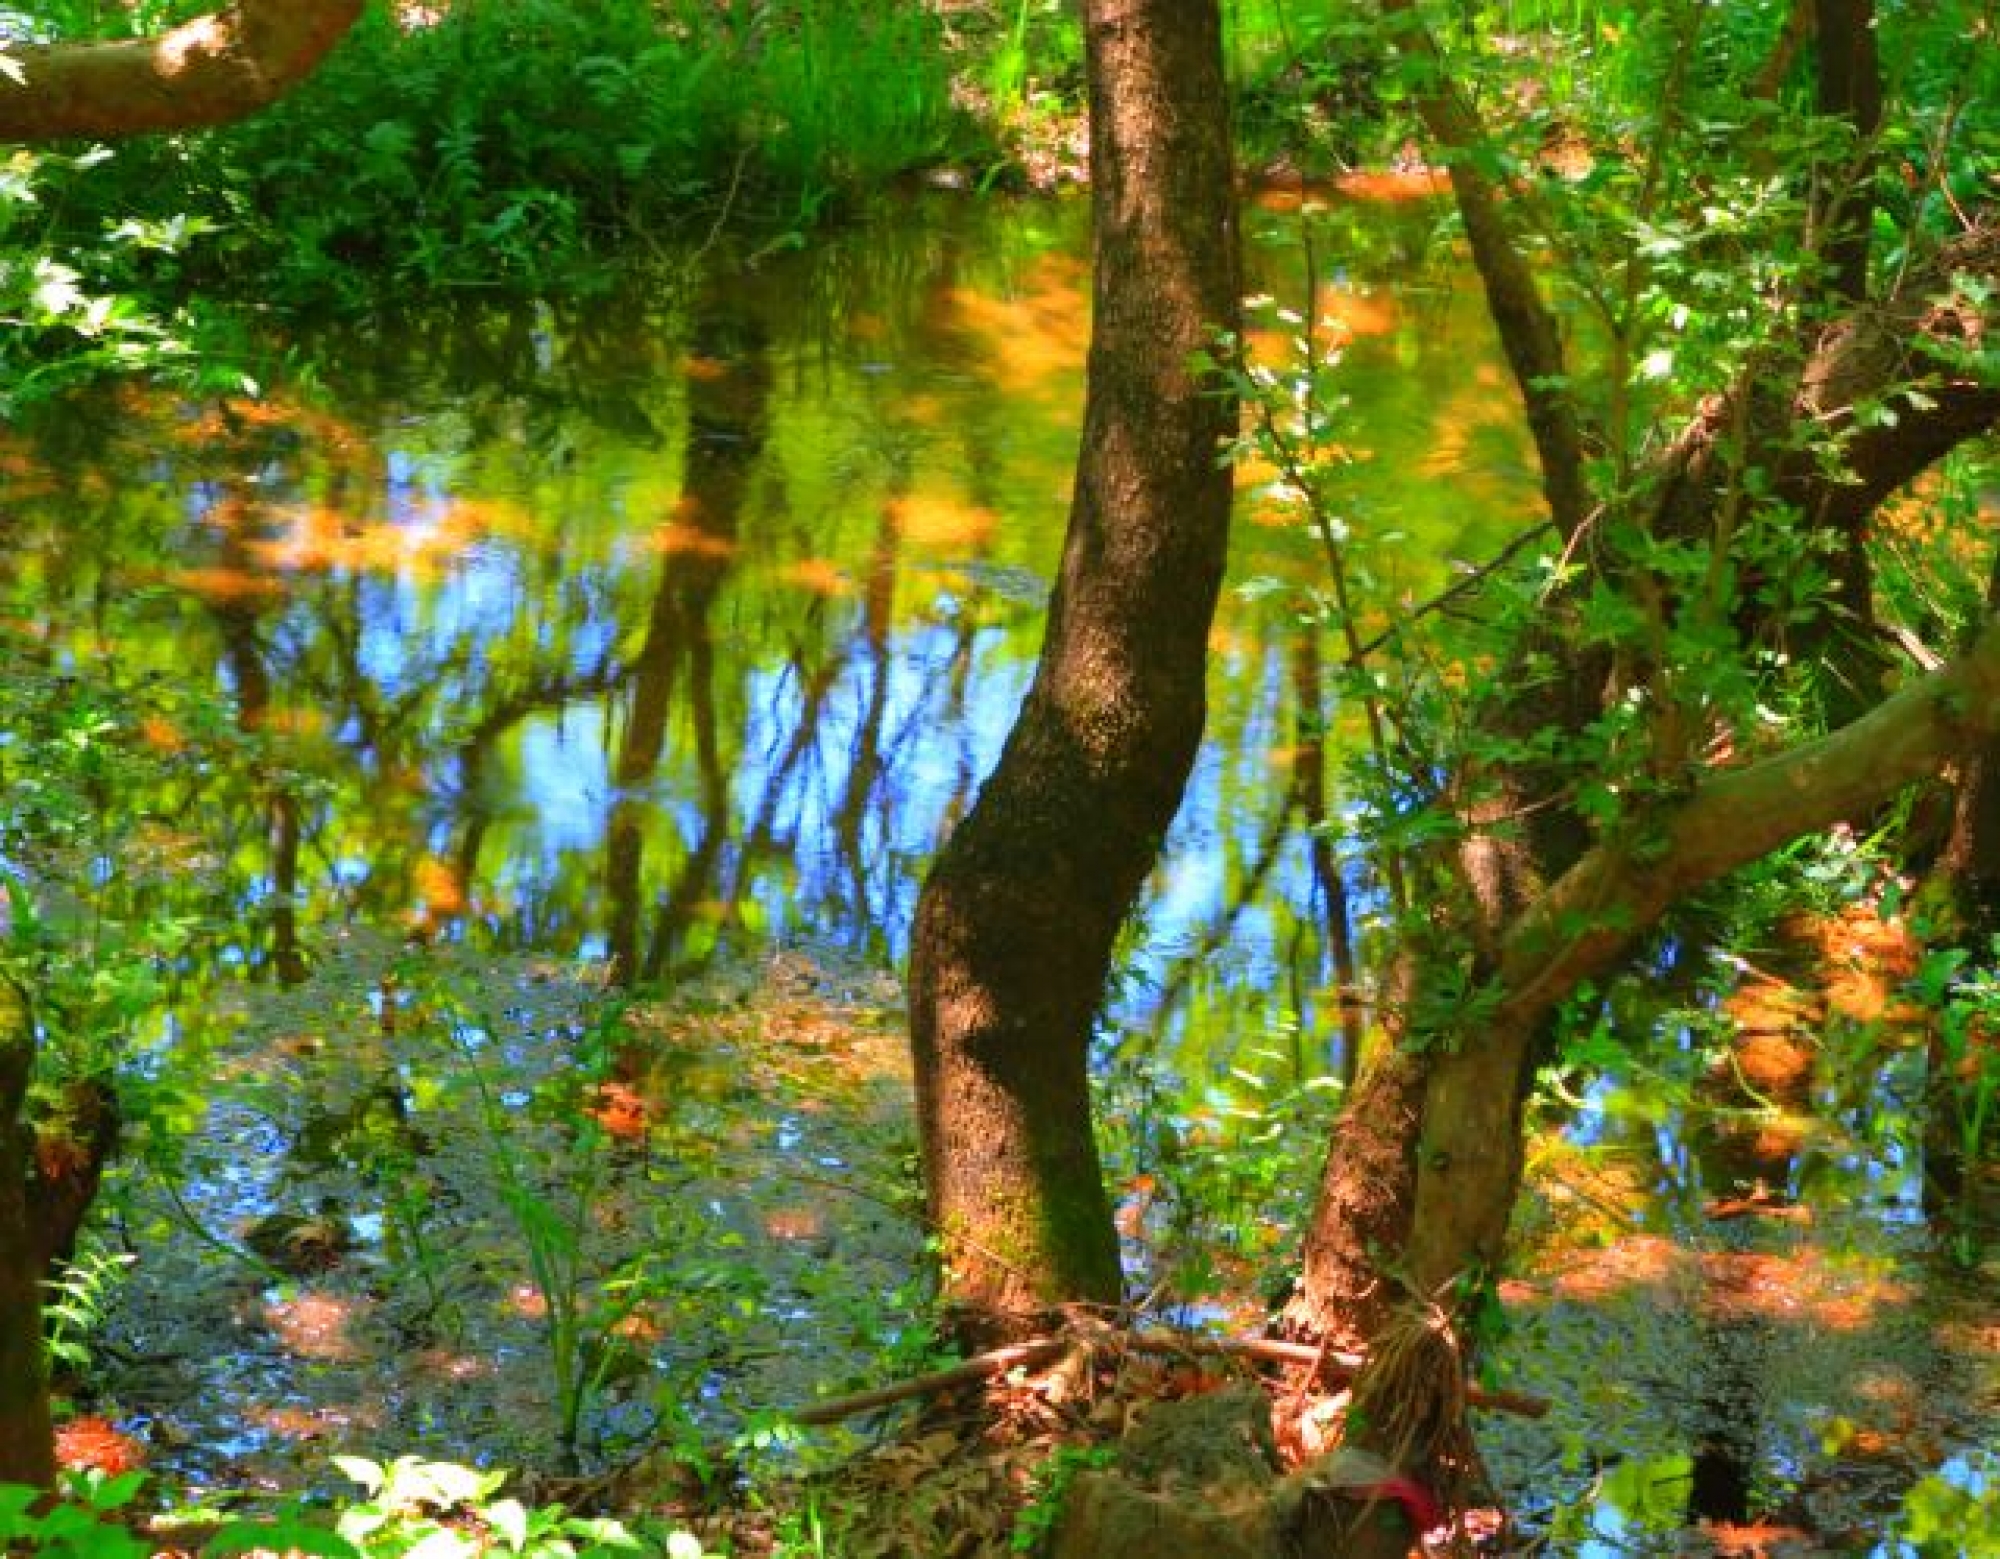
(697, 617)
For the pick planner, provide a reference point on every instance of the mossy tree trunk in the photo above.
(1015, 926)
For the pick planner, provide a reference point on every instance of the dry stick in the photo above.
(980, 1366)
(983, 1366)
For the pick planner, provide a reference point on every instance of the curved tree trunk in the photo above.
(216, 68)
(27, 1442)
(1015, 926)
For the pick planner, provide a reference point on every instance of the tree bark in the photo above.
(216, 68)
(1015, 927)
(1850, 89)
(27, 1440)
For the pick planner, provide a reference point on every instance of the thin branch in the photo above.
(1474, 576)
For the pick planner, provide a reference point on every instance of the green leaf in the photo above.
(113, 1493)
(285, 1535)
(15, 1501)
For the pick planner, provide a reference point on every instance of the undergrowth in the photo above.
(514, 143)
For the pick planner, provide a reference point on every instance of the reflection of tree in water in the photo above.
(1787, 1378)
(728, 388)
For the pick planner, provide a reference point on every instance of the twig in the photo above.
(1474, 576)
(1267, 1350)
(981, 1366)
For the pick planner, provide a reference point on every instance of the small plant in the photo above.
(442, 1509)
(1964, 1092)
(77, 1300)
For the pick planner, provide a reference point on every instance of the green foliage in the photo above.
(1635, 1498)
(409, 1507)
(84, 1524)
(76, 304)
(516, 143)
(87, 933)
(849, 94)
(1217, 1174)
(1962, 989)
(1951, 1517)
(77, 1298)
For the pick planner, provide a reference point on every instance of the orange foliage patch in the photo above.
(1038, 332)
(1393, 186)
(224, 586)
(1349, 314)
(301, 721)
(820, 576)
(326, 540)
(161, 734)
(1774, 1064)
(439, 886)
(1756, 1540)
(640, 1328)
(1866, 958)
(941, 524)
(92, 1443)
(621, 1110)
(299, 1423)
(794, 1223)
(1800, 1286)
(445, 1364)
(683, 535)
(23, 476)
(528, 1302)
(1770, 1007)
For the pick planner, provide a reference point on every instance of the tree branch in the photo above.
(1527, 330)
(1601, 905)
(216, 68)
(1904, 356)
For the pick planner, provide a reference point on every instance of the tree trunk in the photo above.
(1850, 88)
(1015, 927)
(27, 1441)
(216, 68)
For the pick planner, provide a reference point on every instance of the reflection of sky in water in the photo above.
(566, 782)
(426, 627)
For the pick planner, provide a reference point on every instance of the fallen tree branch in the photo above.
(1157, 1340)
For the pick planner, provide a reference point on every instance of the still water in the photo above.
(697, 614)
